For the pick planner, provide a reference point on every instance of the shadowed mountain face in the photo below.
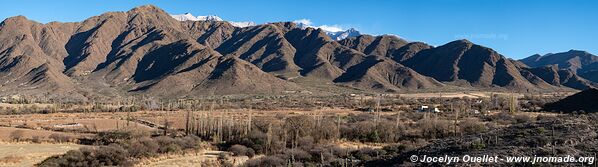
(562, 77)
(385, 74)
(145, 50)
(463, 60)
(582, 101)
(576, 61)
(591, 75)
(581, 63)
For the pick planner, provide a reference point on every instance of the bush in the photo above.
(112, 155)
(61, 138)
(167, 145)
(188, 142)
(522, 118)
(120, 153)
(240, 150)
(144, 147)
(396, 149)
(297, 154)
(472, 126)
(37, 139)
(17, 135)
(266, 161)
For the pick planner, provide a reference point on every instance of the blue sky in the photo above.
(515, 28)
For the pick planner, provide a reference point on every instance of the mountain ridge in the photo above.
(147, 51)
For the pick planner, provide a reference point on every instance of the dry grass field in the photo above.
(26, 154)
(5, 133)
(83, 122)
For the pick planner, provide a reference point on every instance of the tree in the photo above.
(298, 126)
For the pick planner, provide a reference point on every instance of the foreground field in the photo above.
(25, 154)
(349, 130)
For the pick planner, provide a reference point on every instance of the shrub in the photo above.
(522, 118)
(37, 139)
(472, 126)
(111, 155)
(61, 138)
(240, 150)
(17, 135)
(167, 145)
(266, 161)
(144, 147)
(396, 149)
(297, 154)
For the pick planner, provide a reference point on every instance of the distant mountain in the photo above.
(334, 33)
(147, 51)
(190, 17)
(242, 23)
(462, 60)
(565, 77)
(340, 35)
(575, 60)
(581, 63)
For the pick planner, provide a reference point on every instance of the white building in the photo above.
(425, 108)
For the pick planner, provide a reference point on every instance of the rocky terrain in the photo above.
(572, 135)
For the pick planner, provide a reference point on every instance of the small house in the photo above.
(425, 108)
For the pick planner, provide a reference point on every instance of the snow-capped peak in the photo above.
(209, 18)
(184, 17)
(340, 35)
(190, 17)
(242, 24)
(334, 31)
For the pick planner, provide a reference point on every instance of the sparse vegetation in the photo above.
(357, 131)
(122, 148)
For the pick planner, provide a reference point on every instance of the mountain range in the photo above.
(148, 51)
(579, 62)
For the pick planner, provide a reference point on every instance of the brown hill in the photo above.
(582, 101)
(463, 60)
(265, 46)
(574, 60)
(572, 80)
(142, 50)
(386, 75)
(385, 45)
(564, 77)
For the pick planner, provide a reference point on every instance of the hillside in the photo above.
(147, 51)
(582, 101)
(463, 60)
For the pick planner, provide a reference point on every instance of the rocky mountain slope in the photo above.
(580, 63)
(574, 60)
(147, 51)
(477, 65)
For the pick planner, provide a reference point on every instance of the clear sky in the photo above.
(515, 28)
